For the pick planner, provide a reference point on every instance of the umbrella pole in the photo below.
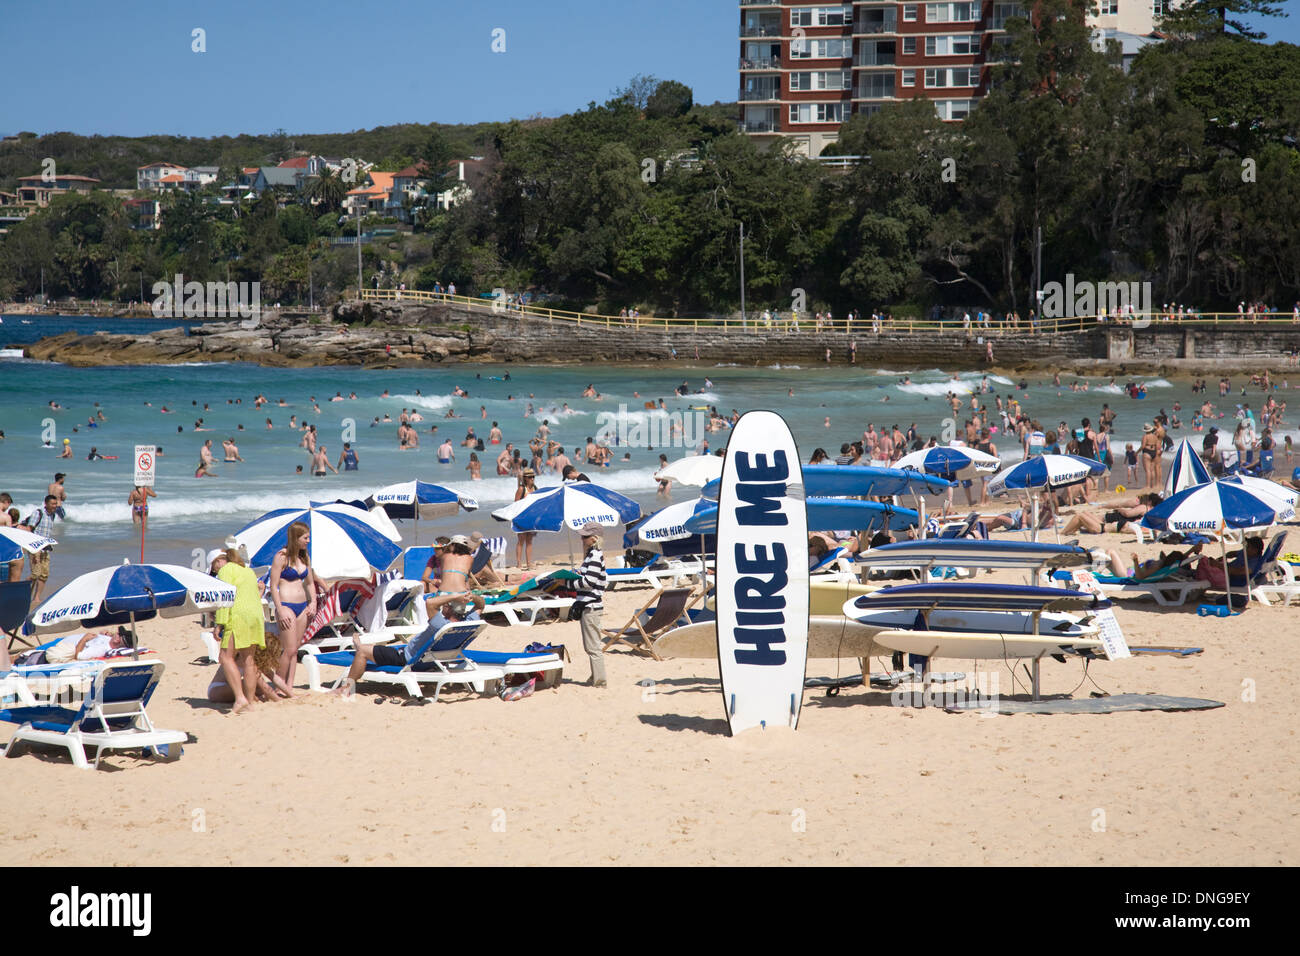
(921, 508)
(1227, 578)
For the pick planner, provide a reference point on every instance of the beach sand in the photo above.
(647, 775)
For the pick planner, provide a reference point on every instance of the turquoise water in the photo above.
(192, 513)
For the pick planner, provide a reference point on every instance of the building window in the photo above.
(816, 112)
(802, 48)
(821, 80)
(951, 12)
(909, 45)
(1158, 9)
(1109, 8)
(961, 45)
(909, 12)
(952, 76)
(953, 109)
(835, 16)
(909, 77)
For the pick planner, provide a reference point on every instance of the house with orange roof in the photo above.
(377, 194)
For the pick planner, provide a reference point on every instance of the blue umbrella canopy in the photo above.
(345, 542)
(129, 592)
(1045, 471)
(952, 462)
(420, 499)
(665, 530)
(569, 506)
(1214, 507)
(1186, 470)
(15, 542)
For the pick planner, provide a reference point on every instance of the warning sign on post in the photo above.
(145, 457)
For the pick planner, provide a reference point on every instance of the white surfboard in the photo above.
(982, 646)
(762, 576)
(829, 638)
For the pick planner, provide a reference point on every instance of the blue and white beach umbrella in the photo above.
(569, 507)
(129, 593)
(1186, 470)
(953, 462)
(1215, 507)
(420, 499)
(1045, 471)
(1286, 498)
(345, 541)
(15, 542)
(665, 530)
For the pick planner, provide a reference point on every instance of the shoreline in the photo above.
(433, 336)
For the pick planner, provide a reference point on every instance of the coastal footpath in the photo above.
(403, 335)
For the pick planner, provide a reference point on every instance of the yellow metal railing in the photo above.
(805, 322)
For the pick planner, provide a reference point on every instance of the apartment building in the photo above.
(806, 68)
(162, 177)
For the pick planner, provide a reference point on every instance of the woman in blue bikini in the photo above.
(293, 589)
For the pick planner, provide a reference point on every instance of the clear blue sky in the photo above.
(318, 66)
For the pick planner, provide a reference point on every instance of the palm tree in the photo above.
(327, 190)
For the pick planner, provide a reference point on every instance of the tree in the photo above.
(669, 99)
(1206, 18)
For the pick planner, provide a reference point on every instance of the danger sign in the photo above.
(145, 456)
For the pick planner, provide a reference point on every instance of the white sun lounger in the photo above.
(112, 716)
(522, 611)
(444, 651)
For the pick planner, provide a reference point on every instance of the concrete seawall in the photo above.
(408, 334)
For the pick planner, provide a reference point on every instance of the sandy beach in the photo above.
(647, 775)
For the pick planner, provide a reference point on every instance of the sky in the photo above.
(128, 67)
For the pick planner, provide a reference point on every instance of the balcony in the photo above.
(874, 58)
(760, 3)
(882, 90)
(875, 25)
(761, 30)
(758, 126)
(760, 63)
(761, 94)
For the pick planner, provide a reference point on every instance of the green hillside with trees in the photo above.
(1184, 172)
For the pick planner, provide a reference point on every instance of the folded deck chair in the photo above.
(112, 716)
(15, 603)
(670, 610)
(1165, 586)
(438, 658)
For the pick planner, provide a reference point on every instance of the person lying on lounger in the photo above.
(1020, 519)
(1095, 522)
(443, 609)
(1141, 570)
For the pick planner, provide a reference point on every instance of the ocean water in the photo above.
(192, 513)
